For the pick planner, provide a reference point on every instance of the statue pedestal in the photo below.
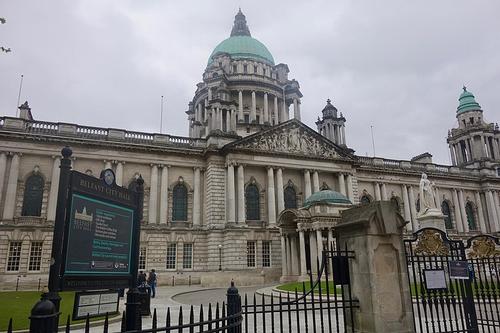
(432, 218)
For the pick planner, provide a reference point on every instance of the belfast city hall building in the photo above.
(252, 194)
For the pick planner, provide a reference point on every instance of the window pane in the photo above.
(471, 220)
(266, 254)
(35, 261)
(142, 257)
(14, 256)
(187, 256)
(171, 256)
(290, 197)
(445, 209)
(252, 201)
(251, 254)
(179, 211)
(33, 194)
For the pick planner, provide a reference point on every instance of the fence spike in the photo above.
(155, 323)
(167, 321)
(68, 324)
(87, 324)
(124, 322)
(191, 319)
(201, 317)
(9, 329)
(179, 321)
(106, 323)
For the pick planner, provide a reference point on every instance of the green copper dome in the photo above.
(467, 102)
(326, 196)
(241, 45)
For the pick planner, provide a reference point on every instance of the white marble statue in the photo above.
(427, 193)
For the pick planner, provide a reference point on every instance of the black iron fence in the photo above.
(326, 305)
(455, 286)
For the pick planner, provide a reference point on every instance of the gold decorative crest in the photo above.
(483, 247)
(430, 243)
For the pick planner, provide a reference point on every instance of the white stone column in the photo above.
(465, 223)
(119, 173)
(54, 187)
(153, 194)
(453, 160)
(497, 208)
(302, 244)
(330, 239)
(307, 184)
(197, 196)
(233, 120)
(241, 117)
(228, 120)
(437, 198)
(164, 194)
(384, 192)
(343, 135)
(295, 255)
(271, 199)
(350, 191)
(241, 194)
(406, 206)
(378, 197)
(492, 212)
(319, 243)
(289, 258)
(296, 110)
(413, 209)
(480, 212)
(3, 168)
(276, 110)
(342, 184)
(266, 109)
(458, 213)
(253, 110)
(10, 195)
(315, 181)
(313, 248)
(231, 201)
(279, 190)
(284, 116)
(284, 260)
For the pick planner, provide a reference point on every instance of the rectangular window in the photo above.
(266, 254)
(251, 254)
(35, 261)
(187, 256)
(247, 119)
(171, 256)
(14, 256)
(235, 69)
(255, 69)
(142, 257)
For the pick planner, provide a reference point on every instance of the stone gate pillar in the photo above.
(378, 273)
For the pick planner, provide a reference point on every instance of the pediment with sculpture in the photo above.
(291, 137)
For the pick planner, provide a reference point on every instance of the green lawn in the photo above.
(298, 285)
(17, 305)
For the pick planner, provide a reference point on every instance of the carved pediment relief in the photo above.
(294, 138)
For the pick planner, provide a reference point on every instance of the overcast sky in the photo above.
(396, 65)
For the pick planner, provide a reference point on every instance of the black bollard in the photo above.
(43, 316)
(233, 309)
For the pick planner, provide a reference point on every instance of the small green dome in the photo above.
(243, 47)
(467, 102)
(326, 196)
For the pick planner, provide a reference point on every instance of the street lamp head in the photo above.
(220, 246)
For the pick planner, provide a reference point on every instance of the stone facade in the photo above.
(229, 154)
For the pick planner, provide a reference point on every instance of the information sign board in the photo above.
(94, 304)
(99, 234)
(458, 270)
(435, 279)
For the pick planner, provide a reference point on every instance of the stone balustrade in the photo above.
(10, 124)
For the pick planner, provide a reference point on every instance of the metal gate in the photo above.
(455, 287)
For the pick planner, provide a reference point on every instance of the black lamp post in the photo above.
(220, 257)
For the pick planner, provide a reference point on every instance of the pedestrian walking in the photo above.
(141, 278)
(152, 282)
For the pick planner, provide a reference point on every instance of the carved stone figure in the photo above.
(426, 195)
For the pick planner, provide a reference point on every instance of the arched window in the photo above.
(445, 209)
(180, 203)
(471, 220)
(252, 201)
(395, 202)
(290, 197)
(33, 194)
(365, 200)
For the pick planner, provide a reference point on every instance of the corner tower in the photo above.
(242, 91)
(475, 143)
(332, 125)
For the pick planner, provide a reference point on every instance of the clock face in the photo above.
(109, 177)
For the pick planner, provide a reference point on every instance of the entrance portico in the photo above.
(306, 231)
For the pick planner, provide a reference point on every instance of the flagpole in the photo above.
(19, 95)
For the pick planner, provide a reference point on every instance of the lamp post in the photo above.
(220, 257)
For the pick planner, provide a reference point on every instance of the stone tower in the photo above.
(332, 125)
(242, 91)
(475, 143)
